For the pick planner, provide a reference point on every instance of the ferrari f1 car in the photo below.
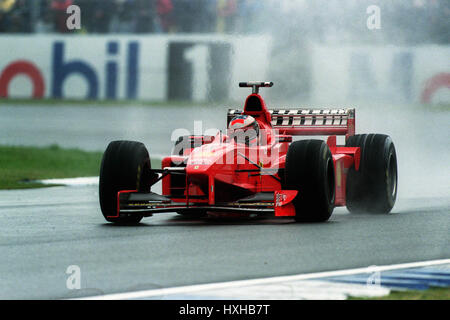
(255, 168)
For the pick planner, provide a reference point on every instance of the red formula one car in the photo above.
(256, 169)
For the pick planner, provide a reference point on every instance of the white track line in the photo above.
(81, 181)
(233, 284)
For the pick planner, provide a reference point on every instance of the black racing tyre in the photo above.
(373, 188)
(125, 166)
(310, 170)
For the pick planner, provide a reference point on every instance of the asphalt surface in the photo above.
(92, 127)
(44, 231)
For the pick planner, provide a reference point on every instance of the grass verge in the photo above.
(20, 166)
(429, 294)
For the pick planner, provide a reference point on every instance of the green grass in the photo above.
(439, 107)
(19, 166)
(430, 294)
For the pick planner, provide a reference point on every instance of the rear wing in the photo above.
(309, 121)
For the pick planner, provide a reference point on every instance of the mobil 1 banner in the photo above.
(199, 70)
(416, 74)
(148, 68)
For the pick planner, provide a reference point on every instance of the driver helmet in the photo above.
(244, 129)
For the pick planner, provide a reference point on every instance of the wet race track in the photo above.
(44, 231)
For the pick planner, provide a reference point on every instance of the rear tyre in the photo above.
(310, 170)
(125, 166)
(373, 188)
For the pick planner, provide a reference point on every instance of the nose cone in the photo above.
(203, 158)
(194, 169)
(203, 163)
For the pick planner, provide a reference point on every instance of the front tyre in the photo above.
(125, 166)
(310, 170)
(373, 188)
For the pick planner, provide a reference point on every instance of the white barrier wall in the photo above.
(156, 67)
(389, 73)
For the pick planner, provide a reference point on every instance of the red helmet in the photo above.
(244, 129)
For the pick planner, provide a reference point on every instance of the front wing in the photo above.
(277, 203)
